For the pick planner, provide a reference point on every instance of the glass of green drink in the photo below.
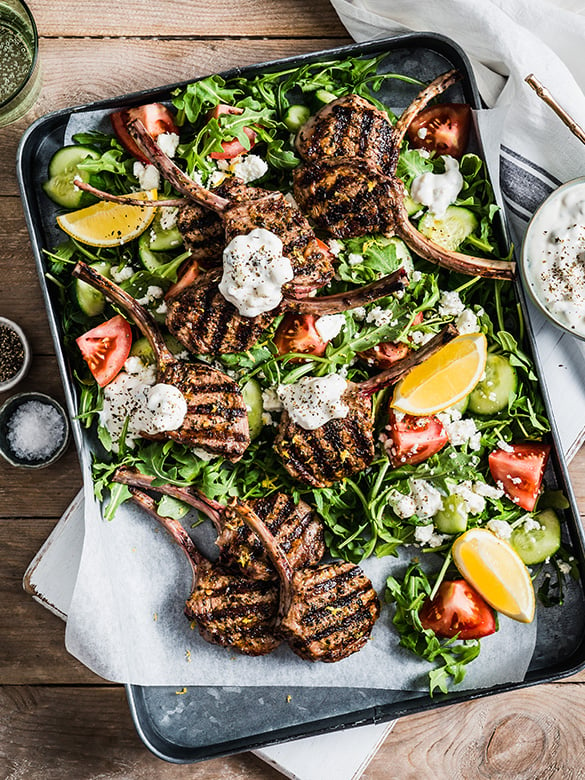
(19, 70)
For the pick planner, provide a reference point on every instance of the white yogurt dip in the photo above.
(314, 400)
(437, 191)
(553, 256)
(254, 271)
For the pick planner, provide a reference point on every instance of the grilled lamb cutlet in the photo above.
(352, 127)
(203, 230)
(312, 265)
(216, 419)
(297, 529)
(349, 187)
(204, 322)
(229, 610)
(345, 446)
(325, 612)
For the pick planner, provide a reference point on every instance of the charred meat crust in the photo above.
(336, 450)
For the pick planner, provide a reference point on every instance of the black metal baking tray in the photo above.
(206, 722)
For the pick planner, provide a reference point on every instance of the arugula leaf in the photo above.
(450, 656)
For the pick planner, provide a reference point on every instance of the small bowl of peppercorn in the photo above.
(14, 354)
(34, 430)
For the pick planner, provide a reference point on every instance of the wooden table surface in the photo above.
(57, 719)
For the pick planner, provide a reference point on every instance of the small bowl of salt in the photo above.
(34, 430)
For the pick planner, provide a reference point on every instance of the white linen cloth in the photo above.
(506, 40)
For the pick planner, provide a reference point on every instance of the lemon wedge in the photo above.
(444, 378)
(497, 572)
(109, 224)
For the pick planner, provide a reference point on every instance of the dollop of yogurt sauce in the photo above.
(313, 401)
(150, 407)
(254, 271)
(437, 191)
(554, 257)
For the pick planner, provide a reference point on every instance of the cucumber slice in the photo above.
(141, 348)
(491, 394)
(461, 406)
(252, 393)
(324, 96)
(402, 253)
(164, 239)
(450, 230)
(452, 518)
(90, 300)
(537, 545)
(295, 117)
(411, 205)
(63, 170)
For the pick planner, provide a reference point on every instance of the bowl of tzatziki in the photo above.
(552, 263)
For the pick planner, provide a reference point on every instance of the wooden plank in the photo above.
(277, 18)
(33, 639)
(86, 733)
(535, 732)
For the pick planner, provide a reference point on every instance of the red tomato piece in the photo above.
(519, 472)
(443, 129)
(297, 333)
(231, 148)
(106, 348)
(155, 117)
(186, 278)
(458, 609)
(385, 354)
(414, 439)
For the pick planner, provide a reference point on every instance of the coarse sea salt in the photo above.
(35, 431)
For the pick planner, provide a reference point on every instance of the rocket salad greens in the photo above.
(389, 505)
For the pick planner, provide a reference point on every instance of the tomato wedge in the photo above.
(154, 116)
(458, 610)
(385, 354)
(443, 129)
(414, 439)
(106, 348)
(231, 148)
(186, 278)
(297, 333)
(519, 471)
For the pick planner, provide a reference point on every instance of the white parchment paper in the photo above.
(126, 620)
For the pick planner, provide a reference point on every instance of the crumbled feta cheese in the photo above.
(148, 176)
(483, 489)
(415, 277)
(422, 132)
(503, 445)
(168, 143)
(329, 325)
(467, 322)
(420, 337)
(163, 308)
(153, 292)
(133, 364)
(564, 567)
(462, 431)
(249, 167)
(168, 217)
(359, 313)
(427, 498)
(474, 502)
(354, 258)
(450, 304)
(121, 274)
(270, 400)
(266, 418)
(401, 504)
(336, 246)
(500, 528)
(531, 524)
(379, 316)
(425, 535)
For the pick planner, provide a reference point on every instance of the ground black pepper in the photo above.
(11, 353)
